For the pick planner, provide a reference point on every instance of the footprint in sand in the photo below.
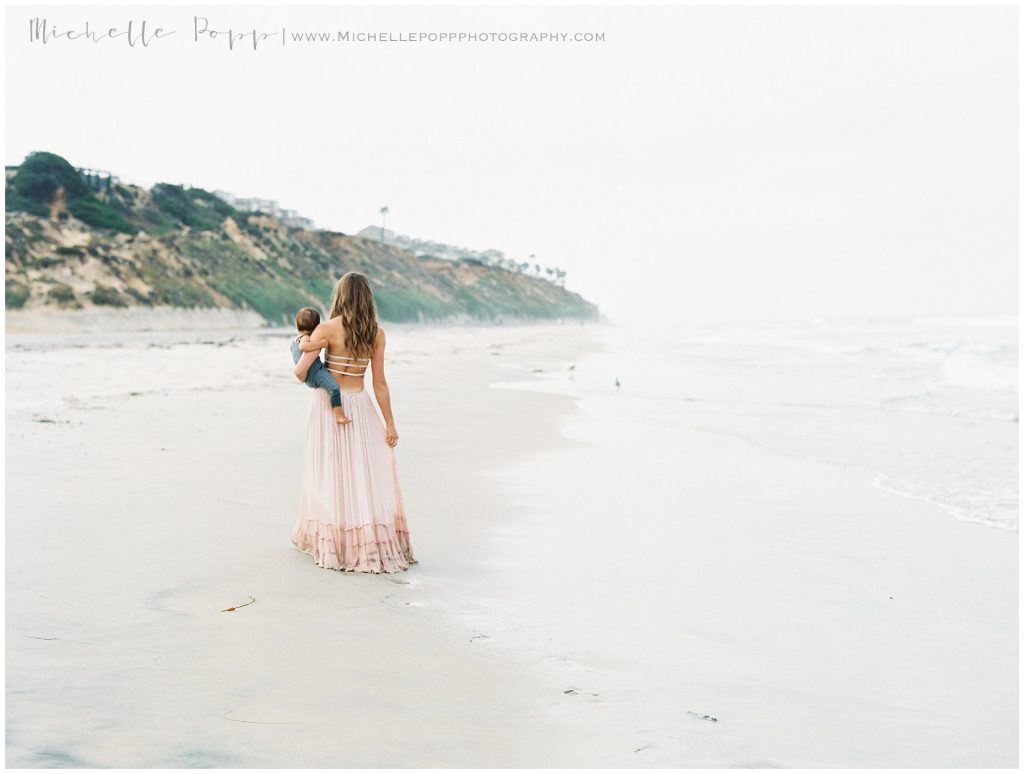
(574, 692)
(703, 717)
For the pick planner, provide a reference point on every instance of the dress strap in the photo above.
(342, 362)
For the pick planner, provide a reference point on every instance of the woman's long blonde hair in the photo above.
(353, 303)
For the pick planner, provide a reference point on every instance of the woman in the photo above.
(350, 506)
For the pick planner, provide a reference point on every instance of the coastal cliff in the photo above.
(74, 242)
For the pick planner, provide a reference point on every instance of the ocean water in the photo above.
(669, 565)
(929, 405)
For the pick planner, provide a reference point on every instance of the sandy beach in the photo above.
(603, 581)
(177, 489)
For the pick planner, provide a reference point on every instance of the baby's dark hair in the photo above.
(307, 319)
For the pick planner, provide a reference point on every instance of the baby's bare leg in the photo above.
(335, 392)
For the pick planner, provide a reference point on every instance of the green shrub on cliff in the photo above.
(64, 296)
(167, 291)
(15, 294)
(194, 207)
(39, 178)
(103, 295)
(408, 304)
(275, 301)
(99, 214)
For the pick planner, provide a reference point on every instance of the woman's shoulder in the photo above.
(330, 327)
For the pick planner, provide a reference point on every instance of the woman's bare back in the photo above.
(352, 378)
(348, 371)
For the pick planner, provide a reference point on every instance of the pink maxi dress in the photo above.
(351, 515)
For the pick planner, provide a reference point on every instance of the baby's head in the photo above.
(307, 319)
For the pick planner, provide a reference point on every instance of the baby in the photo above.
(309, 351)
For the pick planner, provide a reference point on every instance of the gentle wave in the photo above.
(901, 398)
(997, 509)
(937, 405)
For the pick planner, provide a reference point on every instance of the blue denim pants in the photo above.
(319, 376)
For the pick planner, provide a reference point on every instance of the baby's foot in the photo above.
(342, 419)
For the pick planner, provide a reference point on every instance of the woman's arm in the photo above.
(312, 345)
(319, 332)
(311, 348)
(380, 388)
(302, 367)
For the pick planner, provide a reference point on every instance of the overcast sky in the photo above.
(699, 164)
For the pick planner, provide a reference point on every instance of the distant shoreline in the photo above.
(170, 318)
